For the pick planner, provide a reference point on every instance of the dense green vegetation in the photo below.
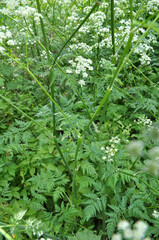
(79, 110)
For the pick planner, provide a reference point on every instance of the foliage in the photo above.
(68, 108)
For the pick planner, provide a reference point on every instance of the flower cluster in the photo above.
(85, 48)
(155, 214)
(144, 120)
(97, 19)
(81, 83)
(111, 150)
(6, 37)
(20, 9)
(80, 65)
(152, 6)
(4, 33)
(137, 233)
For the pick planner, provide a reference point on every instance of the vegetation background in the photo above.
(79, 106)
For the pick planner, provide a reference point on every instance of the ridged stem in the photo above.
(43, 29)
(112, 26)
(131, 13)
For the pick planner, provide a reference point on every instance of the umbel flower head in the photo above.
(137, 233)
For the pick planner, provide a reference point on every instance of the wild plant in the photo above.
(63, 161)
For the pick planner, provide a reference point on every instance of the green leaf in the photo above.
(32, 171)
(12, 169)
(85, 235)
(3, 183)
(1, 81)
(16, 195)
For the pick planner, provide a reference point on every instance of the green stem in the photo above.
(75, 167)
(98, 109)
(140, 179)
(5, 234)
(31, 74)
(134, 163)
(26, 47)
(119, 67)
(155, 85)
(36, 34)
(131, 13)
(148, 185)
(53, 106)
(61, 154)
(43, 30)
(109, 89)
(121, 61)
(76, 30)
(112, 26)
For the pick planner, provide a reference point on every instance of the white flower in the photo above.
(140, 230)
(8, 34)
(82, 83)
(81, 65)
(40, 233)
(68, 71)
(123, 224)
(2, 36)
(11, 42)
(85, 74)
(128, 233)
(155, 214)
(116, 236)
(2, 49)
(145, 59)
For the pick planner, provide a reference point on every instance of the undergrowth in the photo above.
(78, 119)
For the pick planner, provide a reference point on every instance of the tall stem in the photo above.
(43, 30)
(52, 84)
(36, 34)
(131, 13)
(112, 26)
(108, 91)
(53, 105)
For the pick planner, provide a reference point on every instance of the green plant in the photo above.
(66, 116)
